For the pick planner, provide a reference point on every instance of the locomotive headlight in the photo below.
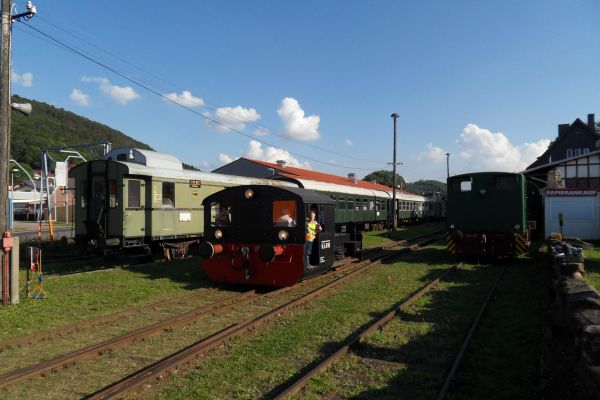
(452, 226)
(482, 192)
(249, 193)
(218, 234)
(517, 227)
(283, 235)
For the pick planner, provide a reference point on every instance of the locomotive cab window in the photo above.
(168, 194)
(506, 182)
(220, 215)
(463, 185)
(284, 213)
(133, 194)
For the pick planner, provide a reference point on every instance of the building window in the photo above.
(586, 150)
(168, 194)
(577, 152)
(569, 153)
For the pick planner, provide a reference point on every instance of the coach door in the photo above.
(103, 204)
(134, 219)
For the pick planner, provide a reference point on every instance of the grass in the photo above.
(503, 360)
(255, 366)
(592, 265)
(382, 238)
(79, 297)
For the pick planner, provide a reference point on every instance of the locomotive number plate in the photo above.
(325, 244)
(195, 183)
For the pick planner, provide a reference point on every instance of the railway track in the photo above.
(378, 324)
(342, 274)
(204, 346)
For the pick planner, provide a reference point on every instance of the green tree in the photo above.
(384, 177)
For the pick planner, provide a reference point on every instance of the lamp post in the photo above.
(447, 165)
(394, 220)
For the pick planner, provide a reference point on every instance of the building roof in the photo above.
(306, 174)
(577, 124)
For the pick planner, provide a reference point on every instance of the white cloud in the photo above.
(185, 99)
(272, 154)
(261, 131)
(433, 153)
(80, 98)
(348, 142)
(232, 117)
(295, 124)
(25, 80)
(120, 94)
(225, 159)
(485, 150)
(206, 164)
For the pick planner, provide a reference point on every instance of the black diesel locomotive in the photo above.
(256, 235)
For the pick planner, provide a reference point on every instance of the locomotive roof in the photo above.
(484, 173)
(307, 195)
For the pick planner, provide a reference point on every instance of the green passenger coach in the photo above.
(487, 214)
(134, 198)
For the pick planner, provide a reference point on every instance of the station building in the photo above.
(568, 175)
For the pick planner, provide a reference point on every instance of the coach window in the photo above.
(112, 193)
(84, 194)
(350, 204)
(341, 203)
(506, 182)
(365, 205)
(99, 189)
(168, 194)
(284, 213)
(371, 205)
(133, 194)
(357, 204)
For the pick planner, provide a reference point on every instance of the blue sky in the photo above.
(486, 81)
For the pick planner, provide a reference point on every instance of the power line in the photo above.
(205, 100)
(147, 87)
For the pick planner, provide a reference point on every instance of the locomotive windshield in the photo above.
(220, 214)
(284, 213)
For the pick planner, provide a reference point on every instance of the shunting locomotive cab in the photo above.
(257, 234)
(487, 215)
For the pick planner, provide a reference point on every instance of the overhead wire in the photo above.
(205, 100)
(149, 88)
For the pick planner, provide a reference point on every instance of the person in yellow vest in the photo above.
(312, 226)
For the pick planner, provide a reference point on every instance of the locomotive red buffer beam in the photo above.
(269, 252)
(209, 250)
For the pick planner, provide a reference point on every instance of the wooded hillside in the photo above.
(49, 127)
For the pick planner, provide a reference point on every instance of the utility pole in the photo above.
(6, 19)
(5, 63)
(448, 165)
(394, 219)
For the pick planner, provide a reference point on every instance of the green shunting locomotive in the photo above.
(487, 215)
